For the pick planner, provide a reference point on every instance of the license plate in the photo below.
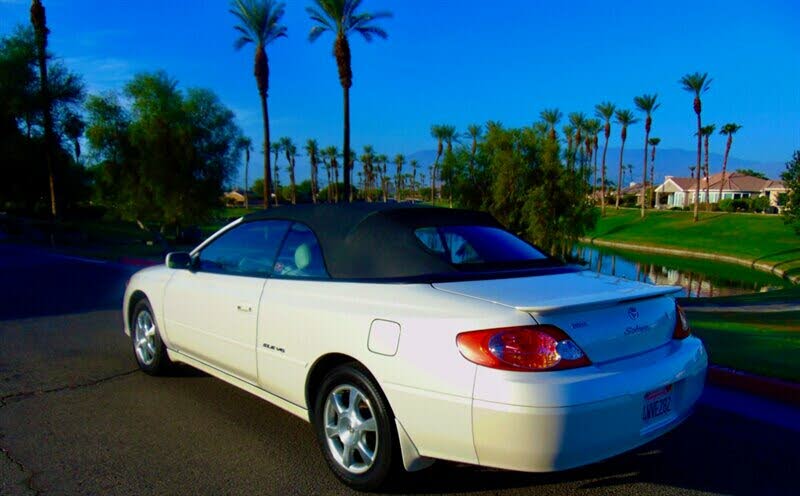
(657, 404)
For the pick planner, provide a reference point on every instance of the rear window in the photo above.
(480, 247)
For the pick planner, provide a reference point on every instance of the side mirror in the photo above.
(179, 260)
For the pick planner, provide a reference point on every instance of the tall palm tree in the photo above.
(438, 132)
(646, 104)
(593, 127)
(368, 164)
(449, 134)
(383, 160)
(569, 136)
(245, 144)
(604, 111)
(728, 130)
(414, 165)
(653, 142)
(290, 152)
(40, 30)
(551, 117)
(333, 158)
(399, 161)
(327, 164)
(624, 118)
(276, 150)
(697, 84)
(706, 132)
(474, 133)
(341, 18)
(260, 24)
(578, 121)
(312, 152)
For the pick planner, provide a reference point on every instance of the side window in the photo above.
(300, 255)
(248, 249)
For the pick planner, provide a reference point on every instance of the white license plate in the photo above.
(657, 404)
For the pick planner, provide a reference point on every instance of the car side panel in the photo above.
(150, 281)
(427, 382)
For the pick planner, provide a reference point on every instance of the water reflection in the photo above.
(710, 279)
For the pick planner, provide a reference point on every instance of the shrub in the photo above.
(759, 204)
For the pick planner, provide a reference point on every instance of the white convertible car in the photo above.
(408, 334)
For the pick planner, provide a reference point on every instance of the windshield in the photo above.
(481, 247)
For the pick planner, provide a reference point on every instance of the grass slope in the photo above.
(756, 237)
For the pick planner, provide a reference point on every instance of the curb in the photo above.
(767, 387)
(753, 264)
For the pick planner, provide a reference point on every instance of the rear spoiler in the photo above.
(603, 300)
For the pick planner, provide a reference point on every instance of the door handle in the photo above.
(244, 308)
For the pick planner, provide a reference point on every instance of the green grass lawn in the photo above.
(763, 238)
(763, 343)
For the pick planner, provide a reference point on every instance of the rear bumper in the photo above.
(542, 422)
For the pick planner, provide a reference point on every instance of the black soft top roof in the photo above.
(377, 240)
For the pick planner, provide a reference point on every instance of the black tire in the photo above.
(158, 363)
(387, 453)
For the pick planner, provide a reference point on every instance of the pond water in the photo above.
(698, 278)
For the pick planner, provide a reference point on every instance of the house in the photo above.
(235, 198)
(680, 191)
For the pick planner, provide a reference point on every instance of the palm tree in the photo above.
(414, 165)
(474, 133)
(73, 127)
(350, 168)
(333, 155)
(449, 134)
(648, 105)
(246, 145)
(437, 132)
(728, 130)
(367, 162)
(578, 121)
(327, 164)
(697, 84)
(593, 127)
(312, 151)
(259, 23)
(706, 132)
(569, 135)
(341, 18)
(39, 22)
(290, 151)
(551, 117)
(604, 111)
(382, 172)
(653, 142)
(624, 118)
(399, 161)
(276, 150)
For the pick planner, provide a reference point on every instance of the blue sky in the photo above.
(462, 61)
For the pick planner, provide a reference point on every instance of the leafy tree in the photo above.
(646, 104)
(697, 84)
(728, 130)
(341, 18)
(624, 118)
(751, 172)
(791, 179)
(260, 24)
(165, 156)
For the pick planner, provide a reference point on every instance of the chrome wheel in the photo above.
(145, 337)
(351, 429)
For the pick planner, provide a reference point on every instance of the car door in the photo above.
(211, 310)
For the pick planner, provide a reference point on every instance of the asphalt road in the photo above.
(76, 417)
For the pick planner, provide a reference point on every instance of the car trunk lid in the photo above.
(608, 317)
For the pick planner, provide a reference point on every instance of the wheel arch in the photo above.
(135, 298)
(322, 366)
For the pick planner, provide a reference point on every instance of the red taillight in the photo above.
(526, 348)
(682, 329)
